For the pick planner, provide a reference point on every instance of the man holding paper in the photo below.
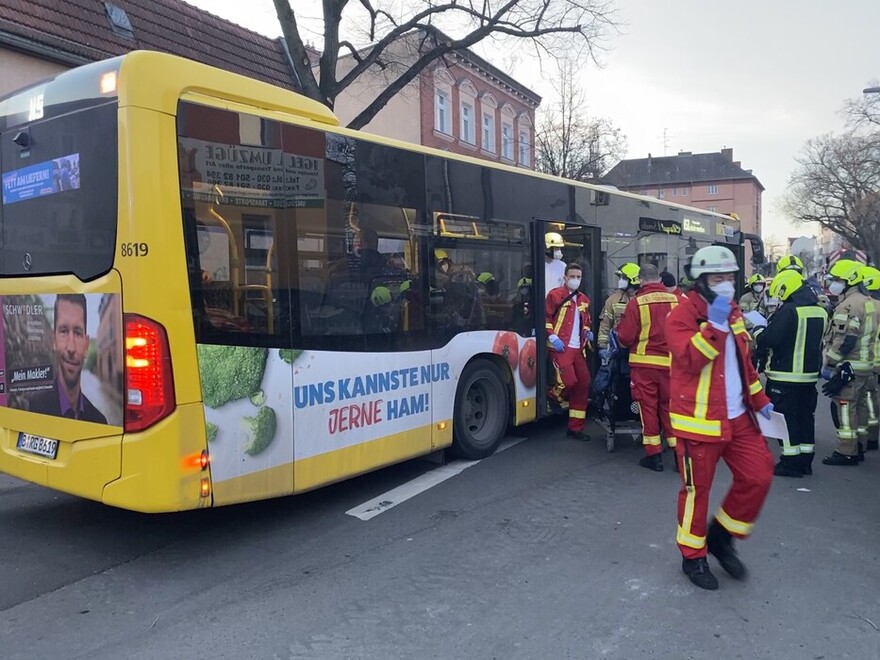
(715, 397)
(794, 335)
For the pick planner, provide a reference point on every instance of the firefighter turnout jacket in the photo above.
(794, 335)
(642, 327)
(612, 312)
(560, 308)
(698, 405)
(852, 333)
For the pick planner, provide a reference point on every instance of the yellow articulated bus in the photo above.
(212, 293)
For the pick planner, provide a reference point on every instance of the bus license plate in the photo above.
(34, 444)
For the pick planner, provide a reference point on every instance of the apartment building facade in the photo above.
(462, 104)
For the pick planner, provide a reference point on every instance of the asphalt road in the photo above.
(551, 549)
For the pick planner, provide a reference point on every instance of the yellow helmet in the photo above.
(553, 240)
(785, 284)
(485, 277)
(790, 262)
(406, 286)
(871, 278)
(755, 279)
(381, 296)
(631, 272)
(439, 254)
(847, 270)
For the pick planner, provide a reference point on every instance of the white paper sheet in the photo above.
(756, 318)
(774, 427)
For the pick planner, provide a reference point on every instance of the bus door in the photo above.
(581, 245)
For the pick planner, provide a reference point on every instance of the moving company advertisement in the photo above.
(62, 355)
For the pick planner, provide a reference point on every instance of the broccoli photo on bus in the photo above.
(230, 373)
(260, 430)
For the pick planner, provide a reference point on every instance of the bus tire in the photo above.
(482, 411)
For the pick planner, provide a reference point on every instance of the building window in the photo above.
(441, 113)
(507, 141)
(675, 192)
(684, 192)
(713, 209)
(661, 193)
(712, 189)
(524, 148)
(488, 132)
(467, 123)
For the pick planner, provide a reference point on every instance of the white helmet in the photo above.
(713, 259)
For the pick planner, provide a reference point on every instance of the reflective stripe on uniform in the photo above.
(703, 346)
(755, 387)
(788, 377)
(844, 431)
(657, 360)
(684, 535)
(695, 425)
(788, 449)
(651, 440)
(577, 414)
(645, 330)
(807, 449)
(732, 525)
(702, 393)
(872, 411)
(672, 441)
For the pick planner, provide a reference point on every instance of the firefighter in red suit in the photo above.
(643, 331)
(567, 314)
(715, 398)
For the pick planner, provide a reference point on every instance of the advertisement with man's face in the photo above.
(62, 355)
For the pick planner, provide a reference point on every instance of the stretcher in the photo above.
(616, 412)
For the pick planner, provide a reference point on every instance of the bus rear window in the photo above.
(59, 196)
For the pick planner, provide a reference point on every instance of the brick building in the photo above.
(461, 104)
(711, 181)
(41, 38)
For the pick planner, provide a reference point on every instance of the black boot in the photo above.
(861, 452)
(807, 463)
(840, 459)
(578, 435)
(698, 572)
(720, 544)
(654, 462)
(788, 468)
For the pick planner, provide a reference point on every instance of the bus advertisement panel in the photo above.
(62, 355)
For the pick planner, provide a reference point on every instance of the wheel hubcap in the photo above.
(476, 406)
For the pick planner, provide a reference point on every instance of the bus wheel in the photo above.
(481, 411)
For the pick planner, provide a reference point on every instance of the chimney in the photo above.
(727, 153)
(685, 153)
(737, 163)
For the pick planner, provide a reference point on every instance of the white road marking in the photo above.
(402, 493)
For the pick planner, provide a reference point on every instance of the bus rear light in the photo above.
(205, 488)
(203, 460)
(148, 379)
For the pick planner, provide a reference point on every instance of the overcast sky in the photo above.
(758, 76)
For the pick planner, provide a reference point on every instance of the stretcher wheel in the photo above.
(609, 441)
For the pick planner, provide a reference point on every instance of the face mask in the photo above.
(557, 254)
(574, 283)
(836, 288)
(724, 289)
(623, 283)
(758, 288)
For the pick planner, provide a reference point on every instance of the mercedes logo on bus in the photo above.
(28, 261)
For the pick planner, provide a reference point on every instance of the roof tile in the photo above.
(80, 28)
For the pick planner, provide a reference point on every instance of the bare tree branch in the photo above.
(555, 28)
(302, 65)
(837, 184)
(568, 143)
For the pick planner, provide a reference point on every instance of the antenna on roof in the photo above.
(666, 137)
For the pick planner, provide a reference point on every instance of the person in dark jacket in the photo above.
(794, 336)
